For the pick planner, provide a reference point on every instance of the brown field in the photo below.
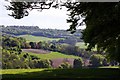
(37, 51)
(58, 61)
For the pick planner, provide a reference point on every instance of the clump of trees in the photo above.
(10, 41)
(12, 60)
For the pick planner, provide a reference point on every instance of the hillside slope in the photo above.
(31, 38)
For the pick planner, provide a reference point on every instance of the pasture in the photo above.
(31, 38)
(83, 46)
(104, 73)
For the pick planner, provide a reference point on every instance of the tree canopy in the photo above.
(102, 22)
(102, 25)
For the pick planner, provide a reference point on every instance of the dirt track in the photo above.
(37, 51)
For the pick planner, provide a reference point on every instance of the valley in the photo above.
(35, 52)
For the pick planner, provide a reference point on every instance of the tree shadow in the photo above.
(67, 73)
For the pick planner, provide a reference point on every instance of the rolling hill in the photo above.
(36, 31)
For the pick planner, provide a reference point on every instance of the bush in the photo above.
(77, 63)
(96, 60)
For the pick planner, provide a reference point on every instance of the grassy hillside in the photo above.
(53, 55)
(31, 38)
(61, 73)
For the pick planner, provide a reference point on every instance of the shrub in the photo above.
(77, 63)
(96, 60)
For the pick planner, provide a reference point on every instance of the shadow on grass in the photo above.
(69, 73)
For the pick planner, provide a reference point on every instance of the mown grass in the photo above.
(62, 73)
(31, 38)
(19, 71)
(53, 55)
(109, 67)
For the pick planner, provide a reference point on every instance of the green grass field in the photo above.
(53, 55)
(61, 73)
(31, 38)
(83, 46)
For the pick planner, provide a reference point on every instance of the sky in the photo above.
(51, 18)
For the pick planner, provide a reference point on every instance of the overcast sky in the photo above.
(52, 18)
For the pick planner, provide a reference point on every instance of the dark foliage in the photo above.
(102, 25)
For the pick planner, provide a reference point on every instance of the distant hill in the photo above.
(36, 31)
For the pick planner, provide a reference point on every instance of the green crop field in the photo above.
(61, 73)
(53, 55)
(31, 38)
